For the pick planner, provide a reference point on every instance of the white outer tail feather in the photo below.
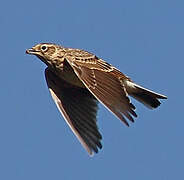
(147, 97)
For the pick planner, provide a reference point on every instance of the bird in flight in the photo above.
(78, 80)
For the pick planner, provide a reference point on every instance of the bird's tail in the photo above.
(146, 96)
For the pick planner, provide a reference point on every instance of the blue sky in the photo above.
(144, 39)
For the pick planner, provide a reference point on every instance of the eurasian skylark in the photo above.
(77, 80)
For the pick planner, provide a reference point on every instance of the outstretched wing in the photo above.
(79, 108)
(105, 82)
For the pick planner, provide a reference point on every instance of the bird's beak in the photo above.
(31, 51)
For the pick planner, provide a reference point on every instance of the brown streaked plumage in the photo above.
(77, 80)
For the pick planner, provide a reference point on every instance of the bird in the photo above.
(78, 80)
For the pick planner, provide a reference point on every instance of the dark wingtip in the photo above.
(127, 124)
(132, 106)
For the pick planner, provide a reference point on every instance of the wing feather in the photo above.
(106, 87)
(79, 109)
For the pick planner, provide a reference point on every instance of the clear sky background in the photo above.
(144, 39)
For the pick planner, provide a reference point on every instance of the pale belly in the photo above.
(68, 75)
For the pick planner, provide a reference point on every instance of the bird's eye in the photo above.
(44, 48)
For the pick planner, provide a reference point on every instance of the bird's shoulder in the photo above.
(83, 58)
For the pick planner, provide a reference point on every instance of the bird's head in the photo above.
(47, 52)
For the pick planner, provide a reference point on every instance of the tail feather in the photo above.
(146, 96)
